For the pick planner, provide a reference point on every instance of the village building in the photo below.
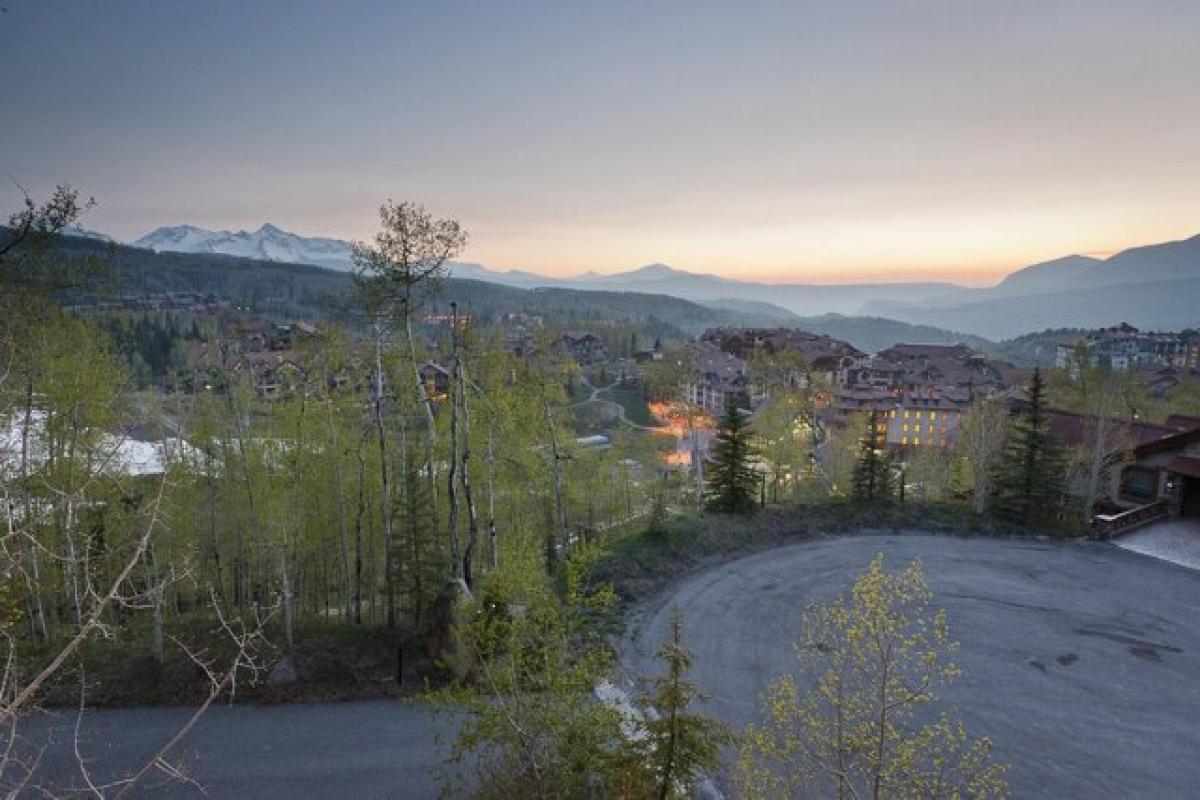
(719, 378)
(264, 352)
(585, 347)
(1123, 347)
(1158, 381)
(826, 360)
(435, 378)
(646, 356)
(1159, 476)
(908, 419)
(447, 320)
(929, 418)
(520, 343)
(913, 367)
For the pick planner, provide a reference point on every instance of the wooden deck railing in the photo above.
(1109, 525)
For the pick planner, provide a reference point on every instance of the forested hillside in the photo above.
(302, 291)
(873, 334)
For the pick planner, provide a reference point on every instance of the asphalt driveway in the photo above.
(1081, 660)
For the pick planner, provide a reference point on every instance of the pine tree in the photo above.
(677, 744)
(732, 482)
(1029, 476)
(872, 477)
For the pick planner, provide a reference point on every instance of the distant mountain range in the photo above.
(268, 243)
(1155, 286)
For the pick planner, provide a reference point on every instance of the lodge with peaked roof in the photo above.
(922, 366)
(827, 359)
(1159, 474)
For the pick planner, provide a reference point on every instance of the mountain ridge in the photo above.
(940, 304)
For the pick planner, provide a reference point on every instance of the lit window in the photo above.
(905, 427)
(903, 440)
(906, 413)
(933, 415)
(919, 413)
(917, 440)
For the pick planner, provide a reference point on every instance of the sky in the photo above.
(783, 141)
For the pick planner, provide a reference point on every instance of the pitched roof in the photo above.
(1071, 428)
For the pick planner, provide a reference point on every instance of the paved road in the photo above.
(1082, 661)
(378, 749)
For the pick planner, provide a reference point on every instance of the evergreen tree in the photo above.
(872, 477)
(677, 744)
(1029, 476)
(732, 482)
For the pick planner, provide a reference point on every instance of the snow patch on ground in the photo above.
(1176, 540)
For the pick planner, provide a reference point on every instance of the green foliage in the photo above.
(1075, 388)
(528, 722)
(1183, 399)
(733, 483)
(153, 347)
(872, 478)
(785, 430)
(850, 723)
(663, 379)
(1028, 483)
(1034, 349)
(929, 473)
(676, 744)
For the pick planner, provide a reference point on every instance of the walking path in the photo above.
(594, 397)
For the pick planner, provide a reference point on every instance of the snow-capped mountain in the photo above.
(268, 243)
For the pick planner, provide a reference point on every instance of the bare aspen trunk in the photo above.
(358, 535)
(465, 479)
(339, 492)
(422, 395)
(156, 597)
(290, 537)
(493, 542)
(427, 404)
(385, 496)
(697, 462)
(452, 472)
(289, 610)
(241, 589)
(560, 510)
(241, 442)
(72, 561)
(213, 538)
(37, 615)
